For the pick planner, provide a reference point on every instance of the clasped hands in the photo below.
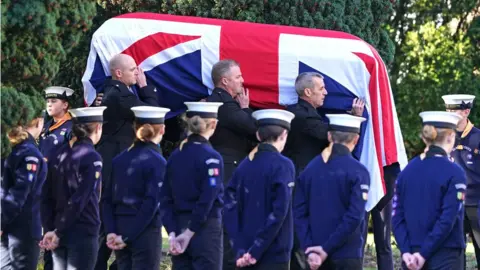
(413, 261)
(50, 241)
(115, 242)
(178, 244)
(316, 256)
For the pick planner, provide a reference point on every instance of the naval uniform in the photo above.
(192, 198)
(118, 134)
(329, 207)
(70, 204)
(23, 176)
(466, 154)
(55, 134)
(428, 210)
(258, 212)
(131, 205)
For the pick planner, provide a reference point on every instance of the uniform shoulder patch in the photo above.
(364, 187)
(212, 160)
(97, 163)
(460, 186)
(291, 184)
(213, 181)
(31, 158)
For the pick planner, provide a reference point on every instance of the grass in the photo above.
(369, 261)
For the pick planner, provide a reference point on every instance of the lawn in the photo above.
(369, 262)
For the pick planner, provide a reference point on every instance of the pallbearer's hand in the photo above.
(314, 261)
(184, 239)
(419, 259)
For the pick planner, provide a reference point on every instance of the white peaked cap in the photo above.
(203, 109)
(345, 122)
(274, 117)
(58, 92)
(149, 114)
(458, 102)
(440, 119)
(88, 114)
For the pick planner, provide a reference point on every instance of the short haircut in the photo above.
(342, 136)
(305, 80)
(221, 68)
(270, 133)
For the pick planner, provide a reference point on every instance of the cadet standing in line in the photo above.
(22, 179)
(131, 203)
(428, 209)
(258, 212)
(71, 193)
(55, 133)
(329, 202)
(192, 194)
(466, 154)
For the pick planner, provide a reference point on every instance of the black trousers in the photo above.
(18, 251)
(144, 253)
(268, 266)
(342, 264)
(229, 262)
(443, 259)
(76, 253)
(104, 253)
(47, 260)
(205, 250)
(472, 228)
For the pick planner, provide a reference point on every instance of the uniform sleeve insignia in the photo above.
(30, 177)
(32, 167)
(212, 160)
(97, 175)
(460, 186)
(30, 158)
(97, 163)
(291, 184)
(364, 187)
(365, 196)
(461, 196)
(213, 181)
(213, 172)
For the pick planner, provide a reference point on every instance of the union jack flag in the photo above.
(178, 52)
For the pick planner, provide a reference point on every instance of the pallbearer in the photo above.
(23, 175)
(71, 193)
(258, 213)
(330, 198)
(192, 194)
(131, 204)
(428, 209)
(466, 154)
(56, 131)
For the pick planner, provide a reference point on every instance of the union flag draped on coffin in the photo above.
(177, 54)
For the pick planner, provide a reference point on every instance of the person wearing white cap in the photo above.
(428, 205)
(70, 195)
(192, 194)
(131, 201)
(467, 155)
(329, 201)
(258, 214)
(56, 131)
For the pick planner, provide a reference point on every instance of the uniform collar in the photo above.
(197, 138)
(266, 147)
(30, 139)
(151, 145)
(306, 105)
(223, 93)
(66, 117)
(85, 140)
(339, 150)
(119, 85)
(434, 150)
(467, 129)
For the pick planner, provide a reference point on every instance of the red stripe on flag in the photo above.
(262, 55)
(153, 44)
(373, 86)
(389, 141)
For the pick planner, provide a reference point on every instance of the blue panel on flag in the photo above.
(179, 80)
(339, 100)
(98, 76)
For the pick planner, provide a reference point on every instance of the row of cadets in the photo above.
(55, 133)
(70, 196)
(23, 175)
(466, 154)
(258, 213)
(192, 194)
(131, 202)
(428, 205)
(329, 201)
